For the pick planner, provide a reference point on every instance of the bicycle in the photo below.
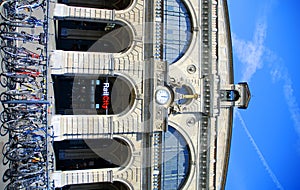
(22, 52)
(23, 151)
(36, 182)
(17, 126)
(9, 63)
(19, 10)
(23, 170)
(24, 92)
(28, 22)
(9, 79)
(25, 37)
(10, 12)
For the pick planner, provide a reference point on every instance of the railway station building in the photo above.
(143, 94)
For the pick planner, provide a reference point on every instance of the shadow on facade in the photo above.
(78, 35)
(96, 186)
(92, 94)
(91, 154)
(100, 4)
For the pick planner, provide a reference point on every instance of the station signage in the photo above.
(105, 96)
(102, 96)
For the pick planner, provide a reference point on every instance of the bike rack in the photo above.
(31, 22)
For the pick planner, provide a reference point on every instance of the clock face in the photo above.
(162, 96)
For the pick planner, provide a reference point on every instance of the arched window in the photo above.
(78, 35)
(91, 154)
(92, 94)
(175, 160)
(96, 186)
(100, 4)
(177, 30)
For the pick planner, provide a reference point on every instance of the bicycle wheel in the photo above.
(11, 84)
(4, 96)
(3, 80)
(5, 160)
(14, 52)
(5, 116)
(6, 147)
(7, 175)
(17, 154)
(9, 79)
(9, 13)
(3, 28)
(5, 66)
(3, 129)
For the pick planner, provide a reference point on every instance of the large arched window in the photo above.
(100, 4)
(91, 154)
(92, 94)
(96, 186)
(177, 30)
(175, 160)
(78, 35)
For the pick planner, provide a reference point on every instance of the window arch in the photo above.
(116, 185)
(91, 154)
(175, 159)
(80, 35)
(177, 30)
(100, 4)
(92, 94)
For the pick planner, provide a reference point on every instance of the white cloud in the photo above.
(292, 104)
(260, 155)
(279, 72)
(251, 53)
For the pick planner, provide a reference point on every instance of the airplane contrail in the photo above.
(260, 155)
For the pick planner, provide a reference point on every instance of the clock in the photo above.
(162, 96)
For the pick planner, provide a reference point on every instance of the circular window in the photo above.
(184, 90)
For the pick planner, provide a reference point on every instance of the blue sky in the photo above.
(265, 151)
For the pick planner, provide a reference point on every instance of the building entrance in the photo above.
(92, 94)
(77, 35)
(96, 186)
(91, 154)
(100, 4)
